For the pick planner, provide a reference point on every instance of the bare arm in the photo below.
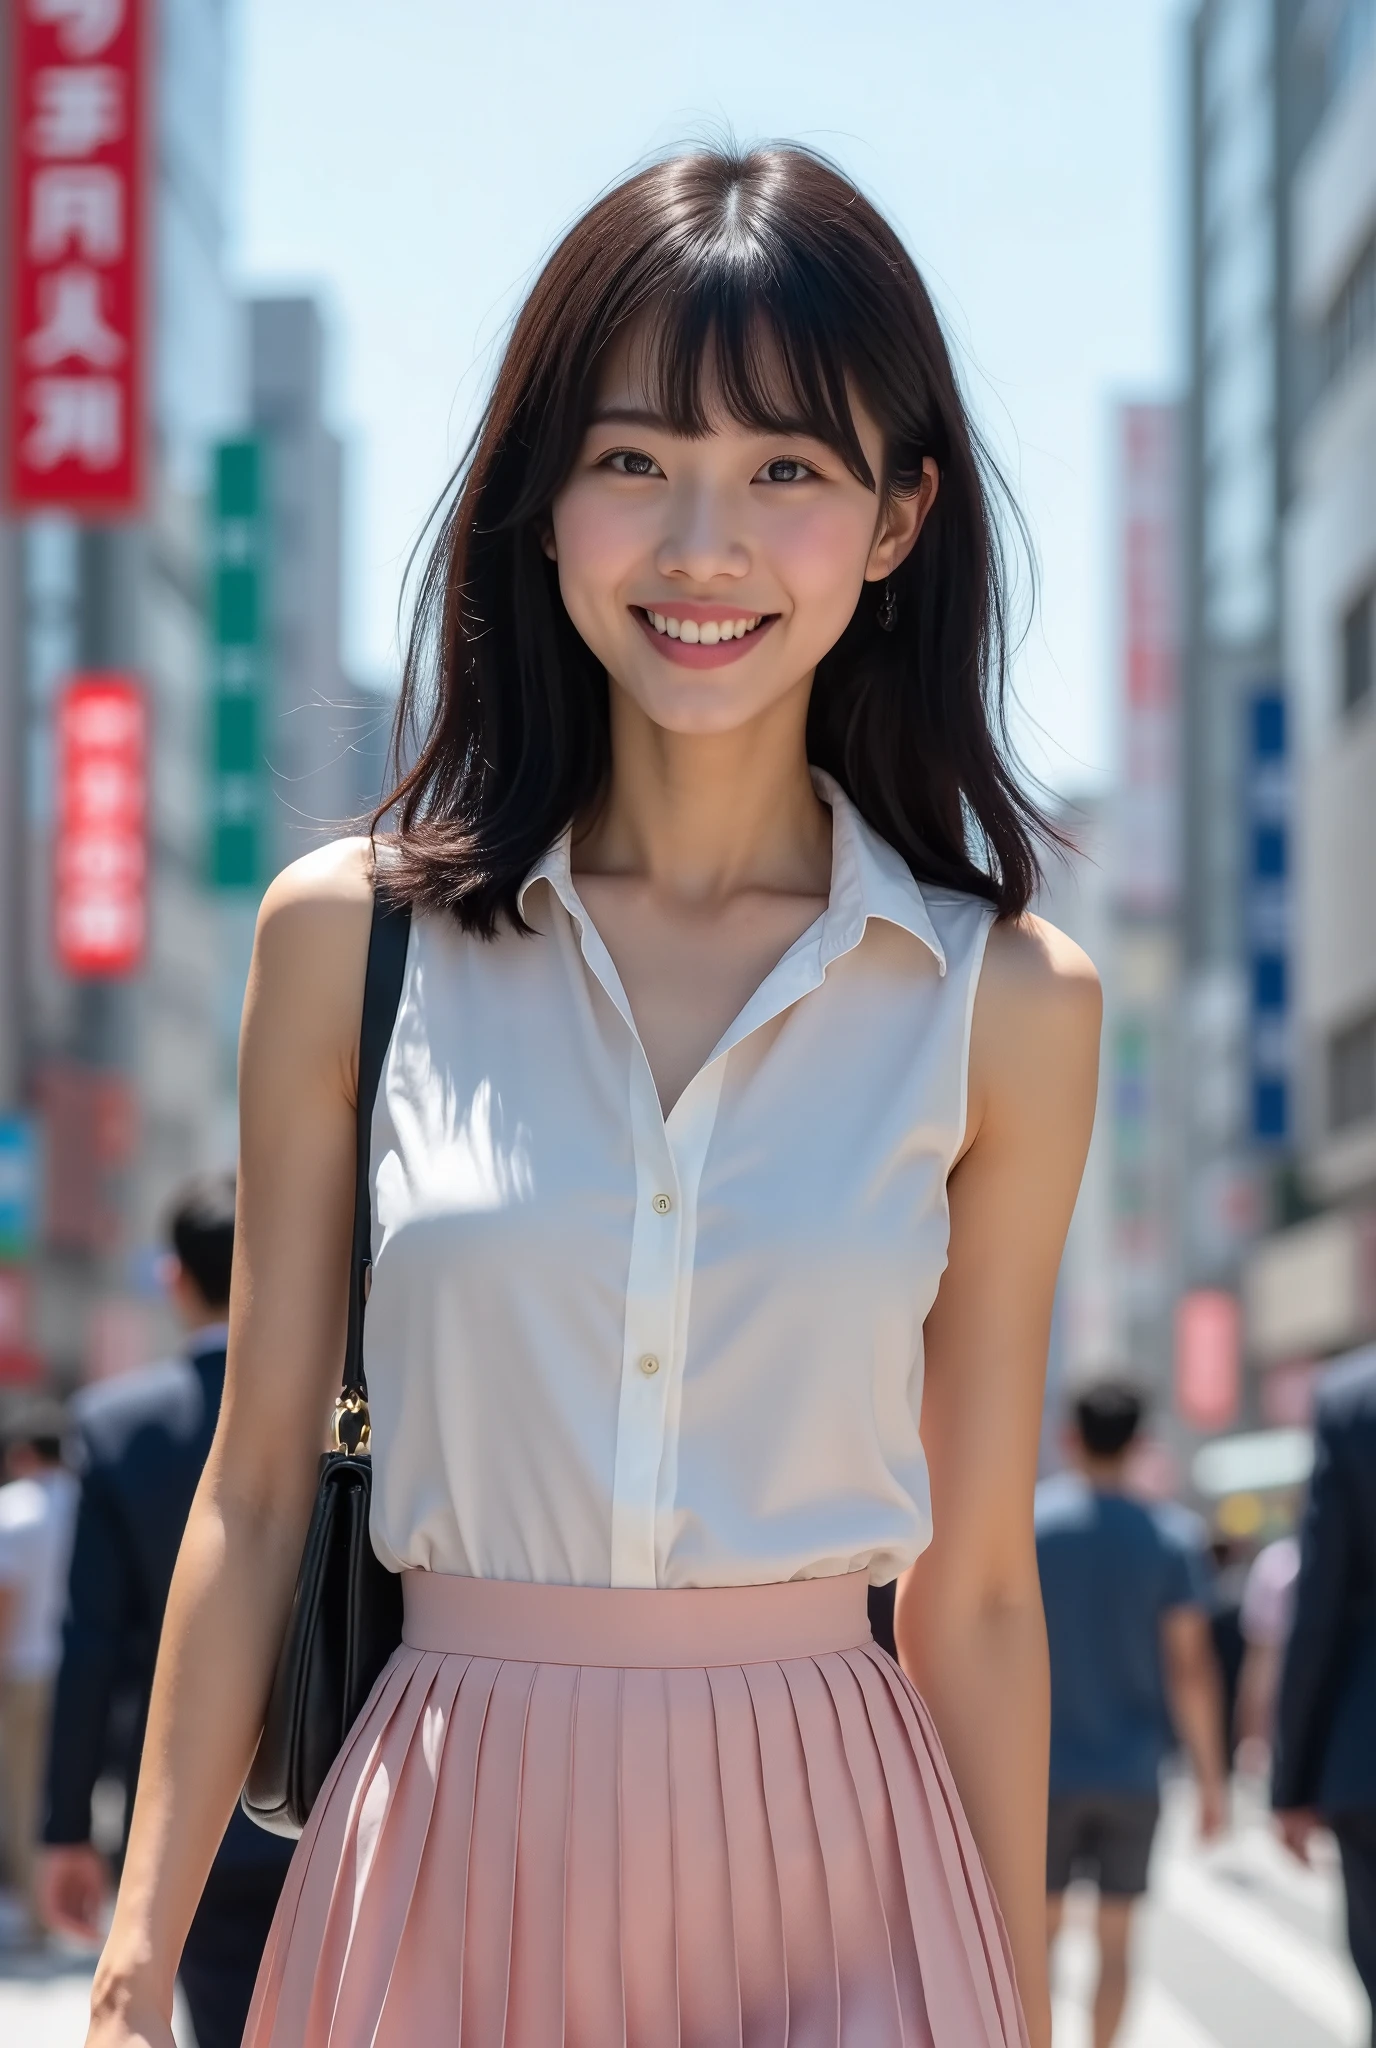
(237, 1565)
(969, 1616)
(1196, 1703)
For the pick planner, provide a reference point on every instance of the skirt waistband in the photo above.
(634, 1626)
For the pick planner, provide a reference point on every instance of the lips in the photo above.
(702, 636)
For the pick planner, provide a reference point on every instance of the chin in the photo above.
(699, 712)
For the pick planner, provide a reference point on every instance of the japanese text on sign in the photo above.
(100, 898)
(77, 318)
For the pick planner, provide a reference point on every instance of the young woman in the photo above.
(730, 1127)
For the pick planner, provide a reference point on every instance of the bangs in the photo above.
(768, 350)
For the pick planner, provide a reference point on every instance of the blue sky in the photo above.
(414, 159)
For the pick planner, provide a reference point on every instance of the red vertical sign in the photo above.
(100, 895)
(77, 317)
(1208, 1358)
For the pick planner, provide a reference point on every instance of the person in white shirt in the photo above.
(719, 1174)
(37, 1514)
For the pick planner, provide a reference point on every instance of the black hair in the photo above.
(768, 272)
(200, 1230)
(1108, 1416)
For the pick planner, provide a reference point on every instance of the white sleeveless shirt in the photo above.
(606, 1348)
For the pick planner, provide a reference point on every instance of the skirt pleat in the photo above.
(516, 1854)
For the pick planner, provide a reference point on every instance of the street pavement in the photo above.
(1238, 1947)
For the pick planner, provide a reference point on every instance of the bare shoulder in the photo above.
(1038, 1011)
(325, 884)
(310, 952)
(1031, 966)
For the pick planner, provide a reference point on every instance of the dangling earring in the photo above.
(888, 609)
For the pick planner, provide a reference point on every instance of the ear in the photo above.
(901, 521)
(547, 541)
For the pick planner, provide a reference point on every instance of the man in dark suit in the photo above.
(146, 1438)
(1325, 1760)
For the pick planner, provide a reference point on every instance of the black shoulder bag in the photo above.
(346, 1613)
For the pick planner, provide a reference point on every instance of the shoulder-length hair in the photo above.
(768, 272)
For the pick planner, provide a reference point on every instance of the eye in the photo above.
(786, 469)
(631, 462)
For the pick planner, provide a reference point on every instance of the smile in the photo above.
(702, 642)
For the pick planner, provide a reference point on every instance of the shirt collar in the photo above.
(209, 1337)
(868, 879)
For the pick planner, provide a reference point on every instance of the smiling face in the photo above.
(710, 575)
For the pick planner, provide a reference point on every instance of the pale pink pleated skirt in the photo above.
(576, 1818)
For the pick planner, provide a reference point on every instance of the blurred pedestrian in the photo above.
(1127, 1600)
(1268, 1602)
(146, 1436)
(37, 1510)
(1228, 1577)
(1325, 1750)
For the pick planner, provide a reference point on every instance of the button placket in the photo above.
(648, 1339)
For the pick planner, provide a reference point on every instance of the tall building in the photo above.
(1311, 1290)
(121, 1076)
(1255, 85)
(306, 728)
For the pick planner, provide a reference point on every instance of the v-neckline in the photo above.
(598, 957)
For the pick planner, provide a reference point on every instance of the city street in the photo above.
(1239, 1948)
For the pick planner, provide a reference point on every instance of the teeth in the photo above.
(705, 633)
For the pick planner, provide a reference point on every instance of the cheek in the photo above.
(821, 553)
(597, 544)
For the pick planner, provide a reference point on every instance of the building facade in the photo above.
(1312, 1289)
(121, 1076)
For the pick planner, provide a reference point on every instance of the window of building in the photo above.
(1268, 853)
(1359, 649)
(1350, 328)
(1269, 981)
(1352, 1074)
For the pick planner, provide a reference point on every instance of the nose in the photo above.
(704, 541)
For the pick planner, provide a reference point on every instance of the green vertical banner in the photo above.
(238, 628)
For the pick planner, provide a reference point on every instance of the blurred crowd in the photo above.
(1164, 1638)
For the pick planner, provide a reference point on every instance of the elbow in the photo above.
(996, 1614)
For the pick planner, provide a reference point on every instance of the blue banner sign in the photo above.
(1266, 886)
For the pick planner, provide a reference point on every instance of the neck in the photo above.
(701, 816)
(1108, 1475)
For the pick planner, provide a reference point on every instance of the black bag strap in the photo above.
(387, 944)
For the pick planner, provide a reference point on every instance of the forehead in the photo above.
(643, 367)
(749, 389)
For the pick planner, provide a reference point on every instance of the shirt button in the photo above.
(662, 1204)
(649, 1364)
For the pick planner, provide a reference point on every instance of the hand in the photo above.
(73, 1886)
(126, 2011)
(138, 2025)
(1298, 1826)
(1213, 1809)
